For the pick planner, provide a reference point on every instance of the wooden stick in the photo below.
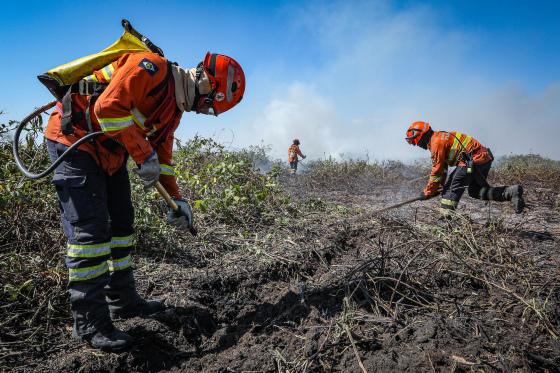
(166, 196)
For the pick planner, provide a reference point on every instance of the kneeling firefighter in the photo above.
(135, 102)
(472, 161)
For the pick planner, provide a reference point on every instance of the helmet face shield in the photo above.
(416, 131)
(411, 135)
(231, 85)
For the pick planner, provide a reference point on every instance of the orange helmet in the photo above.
(228, 84)
(416, 131)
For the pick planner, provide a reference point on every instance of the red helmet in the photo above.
(416, 131)
(228, 84)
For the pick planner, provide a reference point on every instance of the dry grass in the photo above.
(293, 282)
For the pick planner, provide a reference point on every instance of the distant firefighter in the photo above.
(473, 163)
(293, 152)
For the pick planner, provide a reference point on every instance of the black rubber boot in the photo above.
(124, 302)
(492, 194)
(141, 309)
(109, 339)
(514, 194)
(89, 306)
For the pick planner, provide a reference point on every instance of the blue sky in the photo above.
(346, 77)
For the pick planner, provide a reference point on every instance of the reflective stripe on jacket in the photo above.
(447, 149)
(121, 112)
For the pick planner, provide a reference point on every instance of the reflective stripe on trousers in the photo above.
(460, 180)
(119, 264)
(123, 241)
(448, 204)
(87, 273)
(98, 225)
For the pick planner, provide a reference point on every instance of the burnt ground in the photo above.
(341, 289)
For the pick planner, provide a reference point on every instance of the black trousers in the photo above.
(97, 217)
(475, 182)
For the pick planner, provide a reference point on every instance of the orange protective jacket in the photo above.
(293, 152)
(447, 149)
(129, 112)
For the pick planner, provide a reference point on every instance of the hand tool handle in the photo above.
(166, 197)
(161, 190)
(399, 204)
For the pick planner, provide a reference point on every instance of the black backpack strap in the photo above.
(69, 118)
(158, 88)
(66, 120)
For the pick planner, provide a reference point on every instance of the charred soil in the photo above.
(330, 286)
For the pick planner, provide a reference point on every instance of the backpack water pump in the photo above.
(64, 79)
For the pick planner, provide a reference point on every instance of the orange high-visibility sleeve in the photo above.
(104, 75)
(167, 175)
(438, 151)
(126, 94)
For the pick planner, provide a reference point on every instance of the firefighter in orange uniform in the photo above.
(472, 161)
(137, 101)
(293, 152)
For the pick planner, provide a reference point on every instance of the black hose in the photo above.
(50, 169)
(128, 27)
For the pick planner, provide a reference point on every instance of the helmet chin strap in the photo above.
(425, 139)
(205, 100)
(202, 91)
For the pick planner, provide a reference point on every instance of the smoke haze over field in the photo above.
(371, 69)
(346, 77)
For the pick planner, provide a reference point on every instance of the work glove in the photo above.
(424, 197)
(303, 157)
(148, 172)
(181, 218)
